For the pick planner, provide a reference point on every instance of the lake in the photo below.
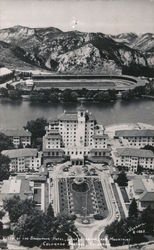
(15, 115)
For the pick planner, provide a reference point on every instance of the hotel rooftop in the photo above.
(134, 133)
(15, 132)
(134, 152)
(22, 152)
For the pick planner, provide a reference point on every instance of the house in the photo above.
(18, 136)
(26, 186)
(18, 186)
(23, 159)
(142, 189)
(131, 158)
(75, 135)
(136, 138)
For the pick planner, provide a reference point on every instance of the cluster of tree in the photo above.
(71, 96)
(138, 92)
(137, 70)
(5, 144)
(6, 78)
(4, 167)
(10, 92)
(122, 179)
(30, 223)
(149, 147)
(53, 95)
(132, 229)
(105, 96)
(37, 129)
(44, 96)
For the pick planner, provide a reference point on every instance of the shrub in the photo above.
(98, 217)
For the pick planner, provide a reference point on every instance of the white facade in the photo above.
(18, 136)
(142, 189)
(22, 160)
(132, 158)
(136, 138)
(76, 133)
(24, 140)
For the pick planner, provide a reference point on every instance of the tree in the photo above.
(5, 142)
(50, 211)
(4, 167)
(54, 97)
(148, 218)
(133, 211)
(1, 230)
(122, 179)
(4, 92)
(17, 207)
(37, 128)
(149, 147)
(9, 86)
(64, 226)
(69, 96)
(20, 145)
(139, 169)
(15, 95)
(2, 213)
(38, 225)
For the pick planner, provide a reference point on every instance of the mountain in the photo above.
(14, 57)
(143, 43)
(74, 51)
(125, 38)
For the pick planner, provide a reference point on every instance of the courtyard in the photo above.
(83, 197)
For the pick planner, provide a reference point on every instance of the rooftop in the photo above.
(81, 108)
(66, 116)
(22, 152)
(100, 136)
(138, 185)
(72, 116)
(4, 71)
(15, 132)
(15, 186)
(135, 152)
(54, 135)
(148, 197)
(135, 133)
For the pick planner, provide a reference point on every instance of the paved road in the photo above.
(120, 207)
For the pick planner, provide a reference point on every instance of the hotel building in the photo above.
(75, 135)
(18, 136)
(136, 138)
(131, 158)
(24, 159)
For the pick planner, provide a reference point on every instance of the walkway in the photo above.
(120, 207)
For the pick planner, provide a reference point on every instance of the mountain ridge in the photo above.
(55, 50)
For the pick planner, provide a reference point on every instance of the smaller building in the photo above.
(23, 159)
(131, 158)
(18, 136)
(18, 186)
(40, 188)
(25, 85)
(26, 186)
(136, 138)
(142, 189)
